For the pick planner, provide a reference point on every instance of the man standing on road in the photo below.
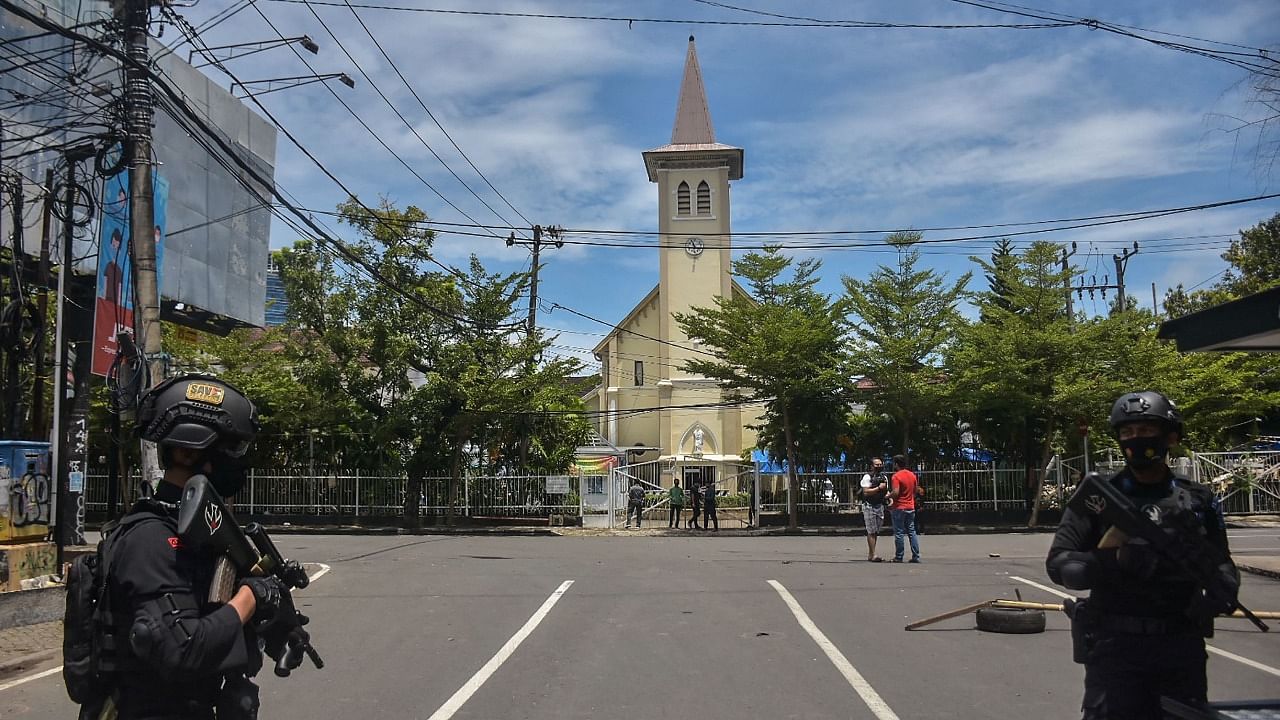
(903, 492)
(676, 497)
(635, 503)
(1140, 634)
(873, 489)
(709, 508)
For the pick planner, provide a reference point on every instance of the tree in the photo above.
(434, 364)
(1008, 367)
(1254, 266)
(783, 346)
(906, 320)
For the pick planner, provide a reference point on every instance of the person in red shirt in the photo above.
(904, 486)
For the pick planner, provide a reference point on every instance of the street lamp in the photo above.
(292, 82)
(256, 47)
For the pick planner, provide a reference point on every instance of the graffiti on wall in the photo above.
(30, 500)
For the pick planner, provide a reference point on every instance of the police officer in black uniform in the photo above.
(178, 655)
(1143, 626)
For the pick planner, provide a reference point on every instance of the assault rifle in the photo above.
(205, 521)
(1195, 558)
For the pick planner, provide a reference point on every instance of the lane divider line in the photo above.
(464, 693)
(874, 702)
(1215, 650)
(29, 678)
(324, 569)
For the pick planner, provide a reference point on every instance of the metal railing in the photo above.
(350, 493)
(1245, 482)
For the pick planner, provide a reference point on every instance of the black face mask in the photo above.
(1143, 452)
(228, 475)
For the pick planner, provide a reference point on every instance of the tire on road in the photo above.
(1012, 621)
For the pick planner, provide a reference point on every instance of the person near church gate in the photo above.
(676, 497)
(173, 654)
(709, 508)
(635, 503)
(1140, 634)
(695, 501)
(873, 489)
(903, 486)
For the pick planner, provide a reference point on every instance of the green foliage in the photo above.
(784, 346)
(906, 320)
(1254, 266)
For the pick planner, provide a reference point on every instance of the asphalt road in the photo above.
(685, 627)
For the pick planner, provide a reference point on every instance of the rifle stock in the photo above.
(1097, 497)
(205, 521)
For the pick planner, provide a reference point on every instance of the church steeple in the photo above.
(693, 140)
(693, 117)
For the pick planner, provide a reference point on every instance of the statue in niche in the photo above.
(697, 441)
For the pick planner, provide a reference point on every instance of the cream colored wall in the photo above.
(686, 281)
(624, 349)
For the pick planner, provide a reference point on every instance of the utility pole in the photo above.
(535, 247)
(1122, 262)
(14, 354)
(38, 429)
(70, 312)
(1066, 273)
(139, 114)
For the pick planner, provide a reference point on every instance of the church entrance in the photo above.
(696, 475)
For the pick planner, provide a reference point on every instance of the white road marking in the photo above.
(868, 694)
(29, 678)
(324, 569)
(455, 703)
(1243, 660)
(1215, 650)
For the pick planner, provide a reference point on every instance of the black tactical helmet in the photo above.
(1146, 405)
(200, 412)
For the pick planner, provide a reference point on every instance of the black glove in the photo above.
(270, 595)
(1137, 559)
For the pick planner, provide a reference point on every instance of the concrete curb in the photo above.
(26, 662)
(29, 607)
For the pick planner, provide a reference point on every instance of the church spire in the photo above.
(693, 118)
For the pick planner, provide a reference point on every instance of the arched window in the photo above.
(682, 199)
(704, 198)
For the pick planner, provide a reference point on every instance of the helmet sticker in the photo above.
(206, 393)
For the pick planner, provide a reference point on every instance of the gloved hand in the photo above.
(1137, 559)
(270, 595)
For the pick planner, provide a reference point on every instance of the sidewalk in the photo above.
(23, 648)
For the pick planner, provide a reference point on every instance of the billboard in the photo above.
(114, 300)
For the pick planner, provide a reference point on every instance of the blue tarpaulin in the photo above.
(770, 466)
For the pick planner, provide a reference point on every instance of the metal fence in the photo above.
(978, 488)
(348, 493)
(1246, 482)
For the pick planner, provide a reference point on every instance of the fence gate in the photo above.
(649, 475)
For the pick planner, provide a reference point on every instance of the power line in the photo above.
(194, 39)
(400, 115)
(686, 21)
(431, 115)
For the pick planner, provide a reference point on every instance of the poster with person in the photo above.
(114, 304)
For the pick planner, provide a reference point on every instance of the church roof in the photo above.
(693, 117)
(693, 136)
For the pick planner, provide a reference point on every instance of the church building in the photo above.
(688, 439)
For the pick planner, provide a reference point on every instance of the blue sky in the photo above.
(844, 129)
